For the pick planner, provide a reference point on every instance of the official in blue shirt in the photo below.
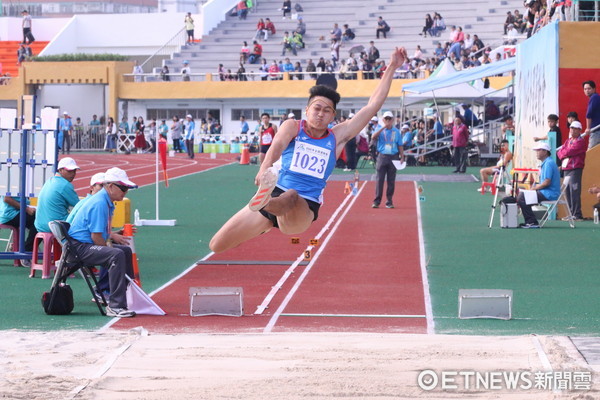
(548, 187)
(10, 214)
(65, 130)
(57, 195)
(189, 135)
(390, 147)
(95, 244)
(244, 125)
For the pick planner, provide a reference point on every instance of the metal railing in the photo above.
(172, 45)
(586, 10)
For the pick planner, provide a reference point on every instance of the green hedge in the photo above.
(82, 57)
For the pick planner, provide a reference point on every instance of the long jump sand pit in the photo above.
(134, 365)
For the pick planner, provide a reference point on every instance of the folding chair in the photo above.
(70, 263)
(562, 199)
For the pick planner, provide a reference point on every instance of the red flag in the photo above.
(162, 151)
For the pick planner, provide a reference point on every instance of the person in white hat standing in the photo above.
(572, 154)
(95, 243)
(389, 146)
(57, 195)
(548, 187)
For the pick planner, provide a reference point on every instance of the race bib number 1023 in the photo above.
(310, 160)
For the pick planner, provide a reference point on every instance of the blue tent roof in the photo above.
(467, 75)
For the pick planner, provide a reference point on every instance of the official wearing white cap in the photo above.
(572, 154)
(65, 130)
(547, 188)
(96, 184)
(57, 195)
(389, 146)
(95, 244)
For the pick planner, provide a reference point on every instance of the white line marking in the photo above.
(291, 293)
(169, 283)
(354, 315)
(426, 295)
(265, 303)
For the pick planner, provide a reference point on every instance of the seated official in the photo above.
(10, 214)
(505, 158)
(57, 195)
(91, 231)
(548, 187)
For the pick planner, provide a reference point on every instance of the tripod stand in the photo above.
(499, 183)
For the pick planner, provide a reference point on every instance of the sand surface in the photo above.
(138, 365)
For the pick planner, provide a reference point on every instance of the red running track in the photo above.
(141, 167)
(365, 278)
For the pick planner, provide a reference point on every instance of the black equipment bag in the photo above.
(59, 300)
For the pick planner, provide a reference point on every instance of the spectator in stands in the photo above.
(348, 34)
(460, 138)
(439, 25)
(548, 187)
(288, 44)
(310, 67)
(288, 66)
(286, 7)
(260, 27)
(301, 27)
(264, 70)
(418, 55)
(123, 126)
(57, 195)
(256, 53)
(373, 52)
(571, 116)
(592, 116)
(26, 24)
(428, 26)
(244, 52)
(475, 61)
(335, 51)
(189, 27)
(455, 50)
(491, 110)
(439, 51)
(511, 36)
(137, 72)
(510, 20)
(297, 40)
(470, 118)
(186, 71)
(274, 71)
(242, 10)
(335, 33)
(477, 43)
(221, 72)
(453, 34)
(353, 70)
(321, 64)
(518, 21)
(407, 136)
(164, 73)
(21, 54)
(382, 27)
(468, 42)
(572, 154)
(298, 71)
(241, 73)
(269, 29)
(508, 127)
(460, 35)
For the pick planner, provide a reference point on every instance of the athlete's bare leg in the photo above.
(293, 214)
(243, 226)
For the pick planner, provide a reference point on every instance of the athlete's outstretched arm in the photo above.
(349, 129)
(287, 132)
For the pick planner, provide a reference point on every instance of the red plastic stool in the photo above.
(52, 252)
(491, 185)
(15, 240)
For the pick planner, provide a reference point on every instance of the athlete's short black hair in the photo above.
(324, 91)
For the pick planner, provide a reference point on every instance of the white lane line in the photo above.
(353, 315)
(291, 293)
(169, 283)
(426, 295)
(265, 303)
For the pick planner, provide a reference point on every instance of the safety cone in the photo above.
(128, 231)
(245, 158)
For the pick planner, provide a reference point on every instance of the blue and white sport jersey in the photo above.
(306, 164)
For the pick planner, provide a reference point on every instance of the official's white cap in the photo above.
(67, 163)
(405, 126)
(97, 178)
(388, 114)
(350, 115)
(189, 116)
(291, 115)
(117, 175)
(65, 113)
(542, 146)
(576, 124)
(375, 119)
